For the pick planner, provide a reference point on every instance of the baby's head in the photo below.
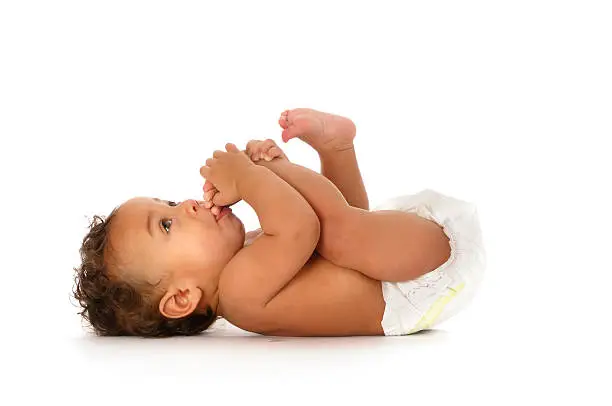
(152, 268)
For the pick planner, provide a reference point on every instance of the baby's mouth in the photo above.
(225, 210)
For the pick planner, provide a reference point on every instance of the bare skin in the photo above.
(387, 245)
(338, 291)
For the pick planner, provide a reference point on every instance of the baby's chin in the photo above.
(242, 229)
(236, 223)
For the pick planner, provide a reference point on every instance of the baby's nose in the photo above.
(190, 204)
(193, 206)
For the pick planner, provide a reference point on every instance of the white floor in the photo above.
(479, 358)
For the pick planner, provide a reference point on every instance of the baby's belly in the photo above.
(328, 300)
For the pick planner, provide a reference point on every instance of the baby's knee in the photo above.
(335, 232)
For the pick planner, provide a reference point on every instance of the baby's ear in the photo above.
(179, 302)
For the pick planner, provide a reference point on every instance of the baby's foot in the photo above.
(322, 131)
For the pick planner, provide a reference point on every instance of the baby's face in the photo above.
(156, 239)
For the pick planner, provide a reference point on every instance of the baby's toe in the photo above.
(283, 121)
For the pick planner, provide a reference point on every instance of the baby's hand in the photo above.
(224, 170)
(209, 192)
(266, 150)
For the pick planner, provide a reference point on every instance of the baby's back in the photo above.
(323, 299)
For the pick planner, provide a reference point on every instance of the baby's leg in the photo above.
(332, 137)
(342, 169)
(384, 245)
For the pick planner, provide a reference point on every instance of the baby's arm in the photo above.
(322, 195)
(326, 200)
(259, 271)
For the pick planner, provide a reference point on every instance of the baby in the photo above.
(322, 264)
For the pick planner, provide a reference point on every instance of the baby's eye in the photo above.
(166, 223)
(171, 203)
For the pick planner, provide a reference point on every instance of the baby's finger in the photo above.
(250, 147)
(215, 210)
(207, 186)
(274, 152)
(218, 153)
(210, 161)
(208, 195)
(267, 144)
(231, 147)
(205, 171)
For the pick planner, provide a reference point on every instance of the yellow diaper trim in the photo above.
(434, 311)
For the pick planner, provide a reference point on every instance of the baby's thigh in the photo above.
(387, 245)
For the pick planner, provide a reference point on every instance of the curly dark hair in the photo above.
(115, 307)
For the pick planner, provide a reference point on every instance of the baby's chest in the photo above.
(327, 300)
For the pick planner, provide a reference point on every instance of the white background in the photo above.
(506, 104)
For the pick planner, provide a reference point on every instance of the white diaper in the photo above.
(424, 302)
